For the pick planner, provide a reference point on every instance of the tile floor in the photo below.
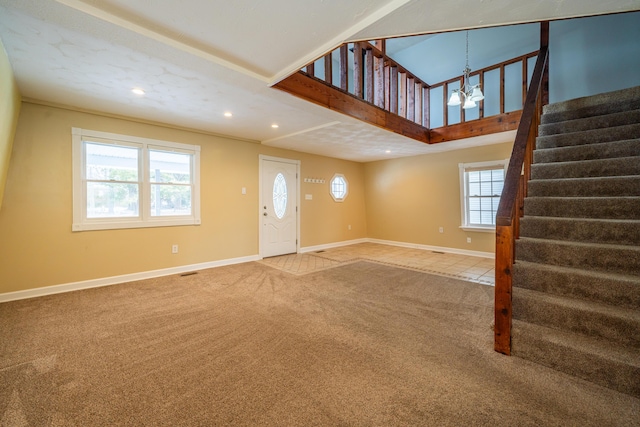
(470, 268)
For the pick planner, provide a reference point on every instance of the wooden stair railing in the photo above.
(511, 204)
(384, 93)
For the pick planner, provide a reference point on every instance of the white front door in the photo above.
(278, 206)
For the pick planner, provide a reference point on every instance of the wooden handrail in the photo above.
(514, 192)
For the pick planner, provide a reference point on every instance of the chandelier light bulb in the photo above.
(454, 100)
(476, 94)
(468, 103)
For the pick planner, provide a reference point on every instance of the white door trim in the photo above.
(261, 237)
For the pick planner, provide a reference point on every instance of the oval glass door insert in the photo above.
(279, 195)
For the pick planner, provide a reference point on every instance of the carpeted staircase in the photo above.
(576, 281)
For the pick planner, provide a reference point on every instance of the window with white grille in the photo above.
(480, 189)
(122, 181)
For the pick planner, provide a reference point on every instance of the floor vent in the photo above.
(190, 273)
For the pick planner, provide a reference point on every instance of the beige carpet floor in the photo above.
(356, 345)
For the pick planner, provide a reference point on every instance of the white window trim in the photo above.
(80, 220)
(346, 187)
(462, 167)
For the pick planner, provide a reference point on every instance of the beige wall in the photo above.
(409, 198)
(38, 248)
(406, 201)
(9, 112)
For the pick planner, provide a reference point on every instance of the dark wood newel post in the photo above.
(544, 43)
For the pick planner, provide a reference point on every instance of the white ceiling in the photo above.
(197, 59)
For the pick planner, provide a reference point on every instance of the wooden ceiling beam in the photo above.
(488, 125)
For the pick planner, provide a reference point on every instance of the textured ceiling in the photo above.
(197, 59)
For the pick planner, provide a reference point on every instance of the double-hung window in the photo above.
(122, 181)
(480, 189)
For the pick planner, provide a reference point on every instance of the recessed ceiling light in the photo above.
(137, 91)
(388, 151)
(275, 126)
(228, 114)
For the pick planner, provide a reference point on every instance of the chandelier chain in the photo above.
(467, 57)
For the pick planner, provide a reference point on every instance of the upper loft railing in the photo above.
(376, 78)
(410, 106)
(511, 206)
(494, 81)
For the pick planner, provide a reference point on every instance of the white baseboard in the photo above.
(106, 281)
(331, 245)
(434, 248)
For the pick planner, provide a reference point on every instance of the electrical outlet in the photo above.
(468, 239)
(349, 226)
(441, 229)
(174, 249)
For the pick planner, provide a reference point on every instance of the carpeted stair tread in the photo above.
(614, 231)
(587, 123)
(578, 316)
(602, 103)
(584, 207)
(601, 257)
(613, 149)
(599, 346)
(586, 112)
(619, 166)
(590, 358)
(597, 187)
(593, 136)
(609, 288)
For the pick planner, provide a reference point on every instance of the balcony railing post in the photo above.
(328, 69)
(358, 71)
(445, 107)
(481, 103)
(393, 90)
(410, 98)
(417, 112)
(344, 67)
(379, 82)
(368, 74)
(502, 89)
(402, 92)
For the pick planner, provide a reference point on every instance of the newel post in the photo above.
(504, 263)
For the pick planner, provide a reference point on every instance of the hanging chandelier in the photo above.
(467, 93)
